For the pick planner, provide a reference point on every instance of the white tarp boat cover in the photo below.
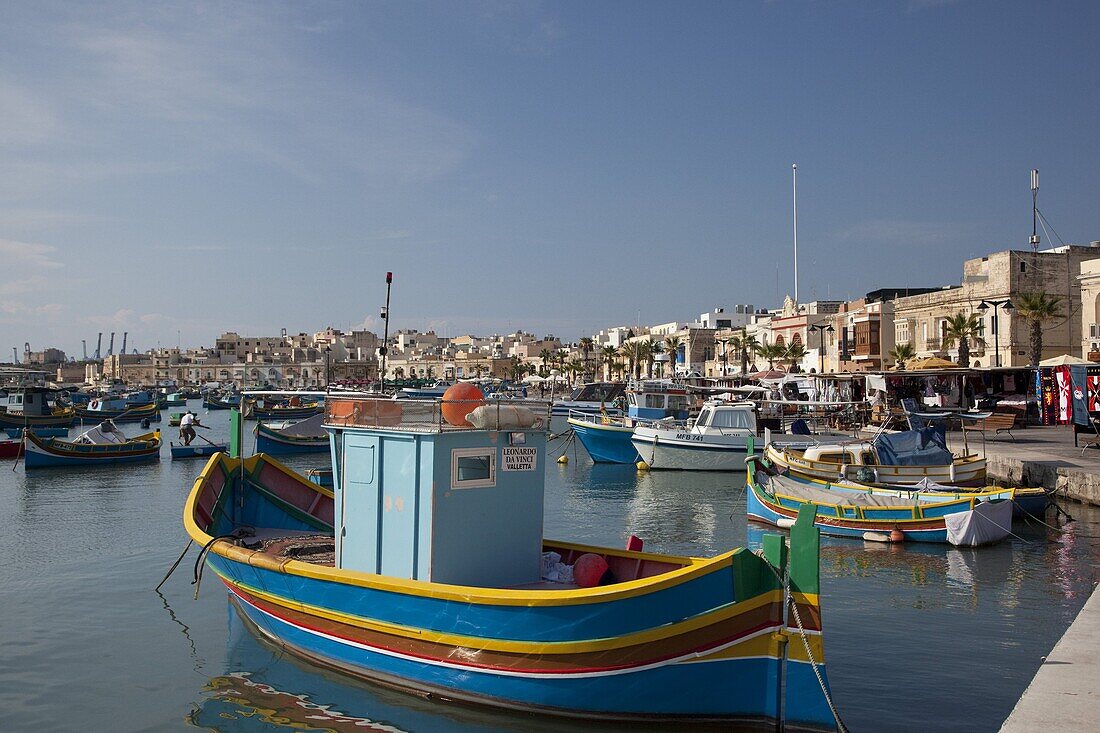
(502, 417)
(106, 433)
(989, 521)
(808, 492)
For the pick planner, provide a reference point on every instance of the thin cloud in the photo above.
(29, 254)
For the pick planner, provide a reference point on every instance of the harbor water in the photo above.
(917, 637)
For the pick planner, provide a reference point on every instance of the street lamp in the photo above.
(328, 375)
(1006, 304)
(821, 329)
(725, 357)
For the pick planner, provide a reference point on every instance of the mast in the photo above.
(386, 330)
(794, 183)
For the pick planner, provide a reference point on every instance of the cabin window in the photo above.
(473, 468)
(655, 400)
(831, 457)
(736, 419)
(869, 458)
(677, 402)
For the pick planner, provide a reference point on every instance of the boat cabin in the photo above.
(447, 492)
(606, 392)
(657, 400)
(859, 454)
(29, 401)
(726, 418)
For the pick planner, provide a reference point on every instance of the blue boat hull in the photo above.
(42, 432)
(38, 460)
(272, 445)
(606, 443)
(180, 452)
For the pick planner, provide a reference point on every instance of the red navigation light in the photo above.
(389, 278)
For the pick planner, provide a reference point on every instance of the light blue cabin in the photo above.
(419, 499)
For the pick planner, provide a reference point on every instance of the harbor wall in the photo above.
(1070, 481)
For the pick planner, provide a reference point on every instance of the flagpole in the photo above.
(794, 183)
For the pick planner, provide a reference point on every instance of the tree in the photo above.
(587, 344)
(607, 356)
(545, 355)
(576, 368)
(772, 353)
(902, 353)
(963, 328)
(794, 353)
(645, 356)
(749, 345)
(1036, 308)
(629, 351)
(656, 348)
(672, 347)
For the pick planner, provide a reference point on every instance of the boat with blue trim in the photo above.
(195, 450)
(607, 438)
(221, 402)
(425, 569)
(35, 407)
(103, 445)
(285, 438)
(175, 399)
(274, 409)
(966, 520)
(118, 409)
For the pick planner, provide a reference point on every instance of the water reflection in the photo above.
(263, 688)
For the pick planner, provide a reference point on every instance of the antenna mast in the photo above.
(794, 183)
(1034, 208)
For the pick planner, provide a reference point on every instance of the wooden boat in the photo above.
(607, 437)
(175, 400)
(895, 458)
(214, 402)
(305, 436)
(967, 520)
(287, 410)
(11, 448)
(104, 444)
(174, 419)
(30, 406)
(118, 410)
(195, 450)
(349, 581)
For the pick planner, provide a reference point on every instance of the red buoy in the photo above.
(588, 570)
(897, 536)
(459, 401)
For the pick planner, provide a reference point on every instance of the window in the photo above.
(473, 468)
(655, 400)
(734, 419)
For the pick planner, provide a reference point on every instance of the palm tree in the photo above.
(726, 341)
(545, 355)
(672, 347)
(645, 356)
(656, 348)
(772, 353)
(576, 369)
(629, 351)
(964, 328)
(587, 344)
(902, 353)
(794, 353)
(607, 356)
(1036, 308)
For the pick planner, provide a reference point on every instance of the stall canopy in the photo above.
(1063, 360)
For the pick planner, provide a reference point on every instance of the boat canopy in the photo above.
(924, 447)
(106, 433)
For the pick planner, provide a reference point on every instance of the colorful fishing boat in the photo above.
(117, 409)
(175, 399)
(195, 450)
(174, 419)
(265, 409)
(425, 569)
(11, 448)
(31, 406)
(103, 445)
(904, 458)
(222, 402)
(304, 436)
(607, 437)
(964, 521)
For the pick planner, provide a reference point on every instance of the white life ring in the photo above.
(94, 405)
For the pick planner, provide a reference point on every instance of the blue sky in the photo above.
(175, 170)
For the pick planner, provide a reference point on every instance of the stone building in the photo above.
(1002, 276)
(1090, 308)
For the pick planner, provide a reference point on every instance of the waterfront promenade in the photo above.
(1065, 694)
(1040, 456)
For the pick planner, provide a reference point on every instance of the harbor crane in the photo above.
(84, 346)
(14, 355)
(98, 346)
(111, 348)
(124, 335)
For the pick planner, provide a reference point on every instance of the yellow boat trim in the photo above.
(693, 567)
(526, 647)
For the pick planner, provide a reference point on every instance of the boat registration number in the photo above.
(689, 436)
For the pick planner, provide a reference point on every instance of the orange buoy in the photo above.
(897, 536)
(589, 570)
(459, 401)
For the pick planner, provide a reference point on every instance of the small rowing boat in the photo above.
(104, 444)
(305, 436)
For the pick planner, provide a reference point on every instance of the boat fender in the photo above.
(951, 470)
(843, 470)
(563, 459)
(896, 535)
(93, 405)
(784, 522)
(641, 466)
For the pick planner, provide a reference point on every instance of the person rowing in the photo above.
(188, 423)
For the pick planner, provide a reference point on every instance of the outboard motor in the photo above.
(145, 424)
